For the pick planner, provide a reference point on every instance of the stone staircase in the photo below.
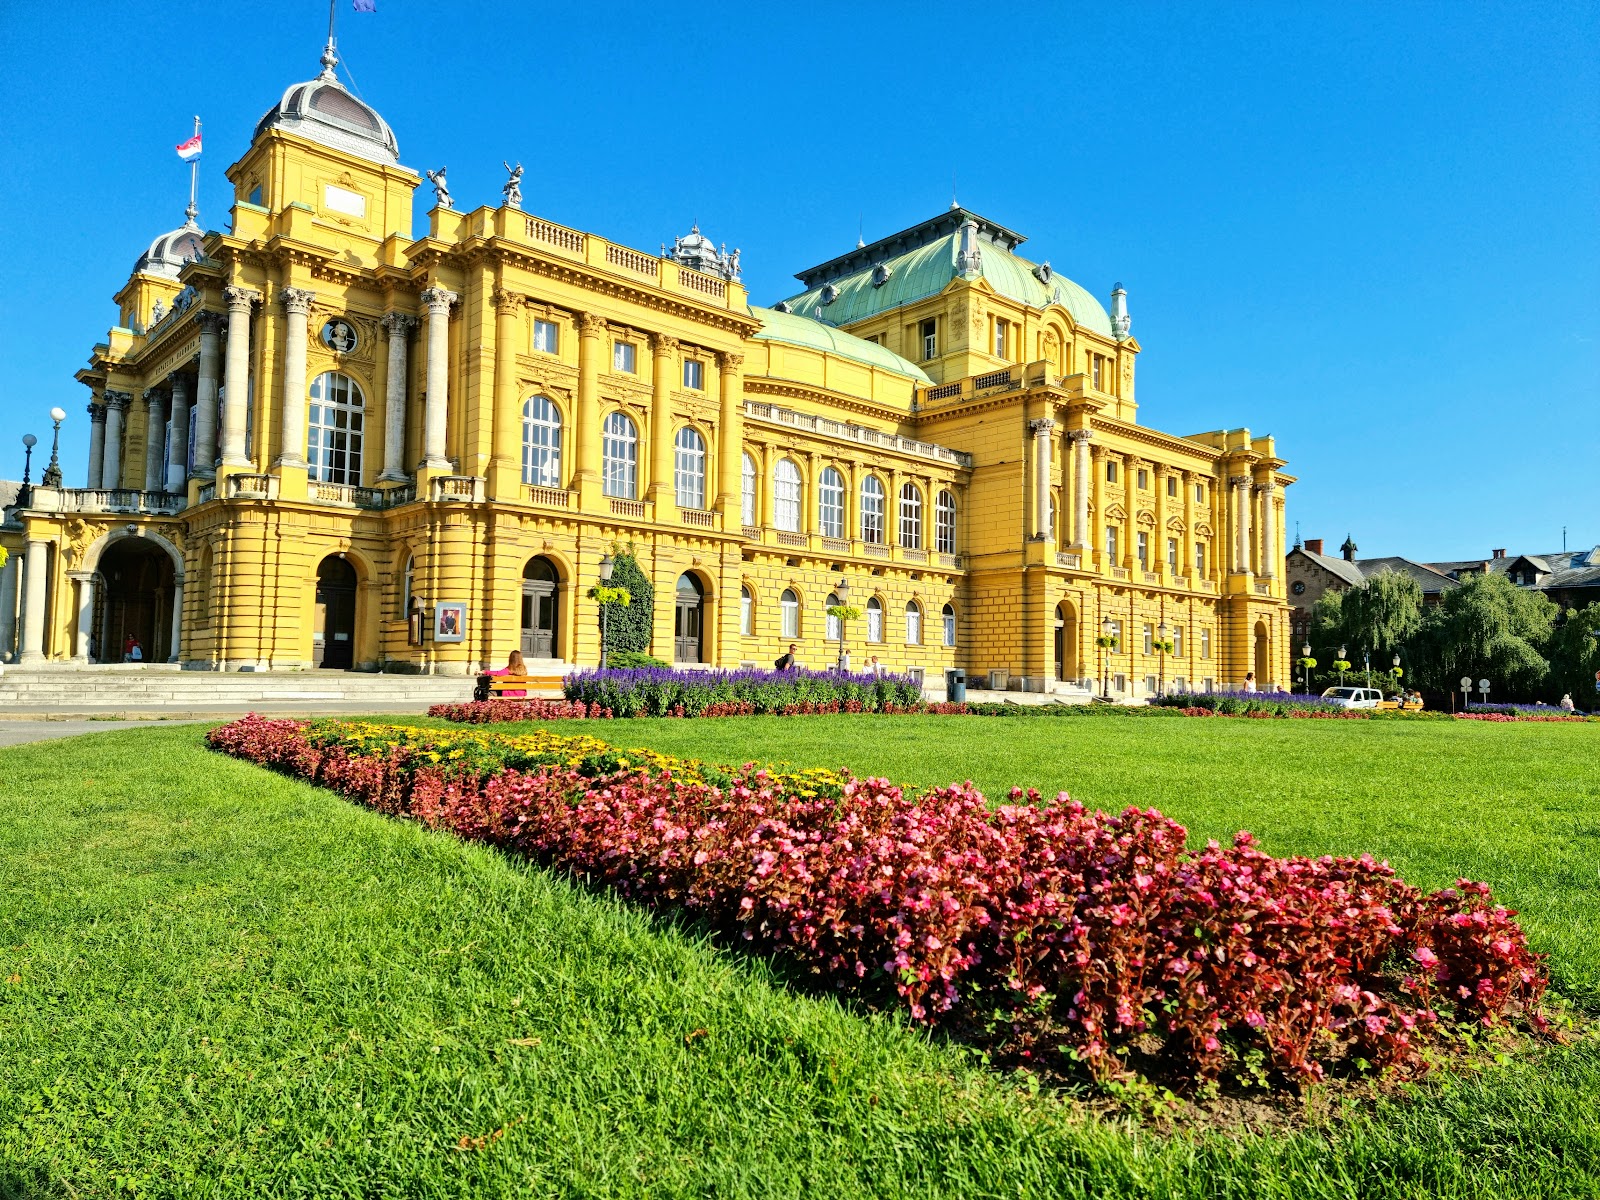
(160, 690)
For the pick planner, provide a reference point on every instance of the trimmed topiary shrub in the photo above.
(629, 627)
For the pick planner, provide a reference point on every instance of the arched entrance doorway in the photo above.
(133, 600)
(1263, 655)
(333, 632)
(688, 621)
(540, 592)
(1066, 642)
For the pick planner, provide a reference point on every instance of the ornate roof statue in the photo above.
(512, 190)
(696, 250)
(441, 189)
(324, 111)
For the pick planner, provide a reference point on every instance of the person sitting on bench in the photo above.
(514, 666)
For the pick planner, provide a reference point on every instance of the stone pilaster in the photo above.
(236, 376)
(97, 444)
(436, 410)
(178, 442)
(1041, 431)
(155, 440)
(205, 406)
(292, 403)
(116, 418)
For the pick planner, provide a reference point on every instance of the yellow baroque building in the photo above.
(320, 439)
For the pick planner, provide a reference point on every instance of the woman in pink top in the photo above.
(514, 666)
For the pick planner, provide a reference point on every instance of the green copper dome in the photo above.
(796, 330)
(853, 287)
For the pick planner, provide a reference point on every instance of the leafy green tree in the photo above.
(1381, 615)
(629, 626)
(1487, 628)
(1574, 657)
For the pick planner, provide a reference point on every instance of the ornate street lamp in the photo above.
(606, 567)
(1344, 663)
(1305, 666)
(1163, 631)
(1108, 636)
(25, 492)
(52, 473)
(842, 590)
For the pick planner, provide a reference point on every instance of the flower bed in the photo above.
(659, 692)
(1045, 932)
(1234, 704)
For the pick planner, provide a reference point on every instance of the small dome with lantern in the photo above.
(324, 111)
(169, 252)
(698, 251)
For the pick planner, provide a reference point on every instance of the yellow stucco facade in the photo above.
(312, 425)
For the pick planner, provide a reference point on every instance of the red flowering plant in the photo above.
(1042, 931)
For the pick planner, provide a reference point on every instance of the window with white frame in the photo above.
(949, 625)
(789, 603)
(1205, 648)
(1144, 480)
(1144, 550)
(831, 629)
(624, 358)
(689, 474)
(786, 496)
(546, 337)
(541, 442)
(874, 620)
(333, 435)
(747, 611)
(1172, 485)
(1111, 471)
(944, 523)
(747, 493)
(619, 454)
(1112, 533)
(1149, 638)
(694, 374)
(911, 517)
(1177, 642)
(913, 623)
(1172, 555)
(930, 339)
(830, 503)
(872, 510)
(1200, 559)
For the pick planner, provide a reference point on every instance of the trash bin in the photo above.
(955, 686)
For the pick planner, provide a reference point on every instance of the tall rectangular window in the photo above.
(1144, 551)
(1199, 493)
(1172, 485)
(930, 339)
(1149, 638)
(1172, 555)
(546, 337)
(694, 374)
(1144, 481)
(747, 616)
(1205, 649)
(1002, 337)
(623, 358)
(1111, 543)
(1111, 471)
(1096, 370)
(1177, 642)
(1200, 559)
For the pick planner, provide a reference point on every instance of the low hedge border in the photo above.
(1048, 934)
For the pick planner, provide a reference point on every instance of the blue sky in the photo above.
(1367, 229)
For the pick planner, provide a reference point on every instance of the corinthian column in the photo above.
(292, 410)
(97, 443)
(398, 326)
(591, 353)
(1269, 529)
(178, 443)
(730, 442)
(663, 351)
(35, 569)
(435, 412)
(507, 424)
(236, 375)
(1080, 439)
(205, 407)
(155, 441)
(116, 408)
(1041, 477)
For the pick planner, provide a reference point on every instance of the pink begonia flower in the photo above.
(1424, 956)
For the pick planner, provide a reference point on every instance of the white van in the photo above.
(1352, 697)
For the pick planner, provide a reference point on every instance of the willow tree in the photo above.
(1381, 615)
(1488, 628)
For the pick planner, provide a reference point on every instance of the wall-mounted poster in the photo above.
(450, 621)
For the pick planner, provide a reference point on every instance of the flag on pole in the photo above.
(189, 150)
(366, 5)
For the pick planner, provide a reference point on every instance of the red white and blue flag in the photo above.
(190, 150)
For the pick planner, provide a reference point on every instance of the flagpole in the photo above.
(194, 178)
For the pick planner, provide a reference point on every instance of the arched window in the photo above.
(949, 625)
(786, 499)
(690, 450)
(872, 510)
(874, 620)
(913, 623)
(830, 503)
(619, 450)
(911, 517)
(333, 439)
(833, 621)
(747, 611)
(944, 523)
(790, 604)
(748, 491)
(541, 443)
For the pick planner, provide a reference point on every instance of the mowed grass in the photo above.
(218, 982)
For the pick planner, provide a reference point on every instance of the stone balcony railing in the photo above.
(772, 413)
(107, 500)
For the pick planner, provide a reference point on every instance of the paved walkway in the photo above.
(15, 733)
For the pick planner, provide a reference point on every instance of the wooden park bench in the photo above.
(536, 686)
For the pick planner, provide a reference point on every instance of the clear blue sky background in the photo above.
(1370, 230)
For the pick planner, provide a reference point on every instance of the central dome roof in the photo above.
(169, 252)
(322, 110)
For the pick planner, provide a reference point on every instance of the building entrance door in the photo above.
(333, 634)
(539, 599)
(689, 620)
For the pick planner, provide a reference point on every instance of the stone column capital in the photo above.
(730, 361)
(1041, 427)
(296, 301)
(398, 324)
(241, 299)
(97, 413)
(153, 396)
(663, 344)
(210, 322)
(591, 325)
(508, 303)
(178, 382)
(1080, 435)
(438, 300)
(1239, 481)
(117, 400)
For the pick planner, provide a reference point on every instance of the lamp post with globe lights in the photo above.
(25, 492)
(52, 473)
(1107, 642)
(842, 612)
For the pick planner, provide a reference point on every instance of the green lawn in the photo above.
(230, 984)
